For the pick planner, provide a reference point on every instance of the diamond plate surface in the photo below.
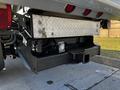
(52, 27)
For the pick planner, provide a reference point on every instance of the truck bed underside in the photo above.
(110, 8)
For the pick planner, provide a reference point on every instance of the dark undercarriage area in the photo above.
(46, 53)
(42, 54)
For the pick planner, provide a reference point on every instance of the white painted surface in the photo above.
(111, 8)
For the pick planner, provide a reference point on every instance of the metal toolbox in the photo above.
(56, 27)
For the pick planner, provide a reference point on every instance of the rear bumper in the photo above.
(37, 64)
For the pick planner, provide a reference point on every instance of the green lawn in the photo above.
(109, 46)
(108, 43)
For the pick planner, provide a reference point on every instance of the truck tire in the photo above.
(2, 64)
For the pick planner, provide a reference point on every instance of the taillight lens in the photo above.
(87, 12)
(99, 14)
(69, 8)
(5, 17)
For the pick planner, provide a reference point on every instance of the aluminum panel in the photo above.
(53, 27)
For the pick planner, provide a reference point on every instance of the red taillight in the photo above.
(87, 12)
(69, 8)
(99, 14)
(5, 17)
